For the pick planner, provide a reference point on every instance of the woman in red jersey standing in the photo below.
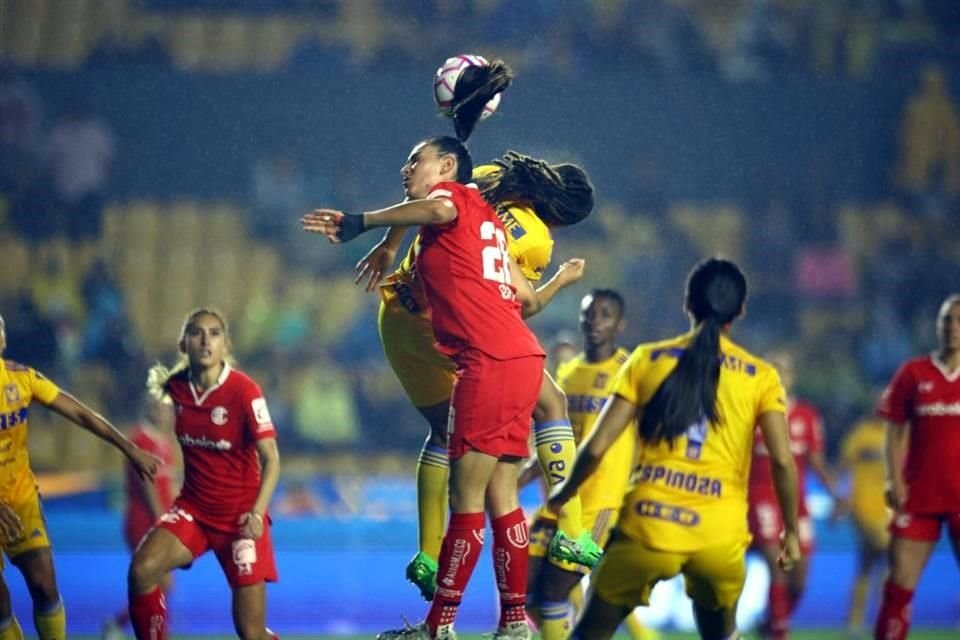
(921, 406)
(231, 466)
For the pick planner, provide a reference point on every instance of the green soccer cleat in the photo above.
(583, 550)
(422, 572)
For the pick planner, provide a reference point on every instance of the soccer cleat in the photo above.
(111, 631)
(583, 550)
(422, 572)
(418, 632)
(513, 631)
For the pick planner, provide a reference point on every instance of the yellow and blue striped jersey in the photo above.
(694, 495)
(21, 385)
(863, 453)
(588, 385)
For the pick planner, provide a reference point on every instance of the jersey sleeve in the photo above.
(627, 383)
(895, 402)
(259, 424)
(450, 191)
(770, 394)
(533, 258)
(42, 388)
(848, 450)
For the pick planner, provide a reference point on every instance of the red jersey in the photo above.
(465, 270)
(152, 441)
(805, 428)
(925, 397)
(217, 431)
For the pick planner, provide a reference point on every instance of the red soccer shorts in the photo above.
(492, 404)
(924, 526)
(244, 562)
(766, 525)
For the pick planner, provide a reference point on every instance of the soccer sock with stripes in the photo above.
(10, 629)
(556, 620)
(556, 451)
(510, 542)
(458, 557)
(858, 603)
(893, 621)
(51, 622)
(779, 610)
(148, 615)
(433, 470)
(634, 628)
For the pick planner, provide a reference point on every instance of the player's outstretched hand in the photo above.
(11, 528)
(145, 464)
(790, 553)
(337, 226)
(251, 525)
(571, 271)
(373, 265)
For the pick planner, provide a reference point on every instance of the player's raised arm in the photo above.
(69, 407)
(380, 258)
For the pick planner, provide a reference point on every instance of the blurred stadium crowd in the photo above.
(97, 276)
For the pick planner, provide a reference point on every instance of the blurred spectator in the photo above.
(929, 158)
(105, 310)
(31, 337)
(19, 121)
(79, 156)
(885, 343)
(298, 500)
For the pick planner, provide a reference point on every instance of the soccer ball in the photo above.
(445, 81)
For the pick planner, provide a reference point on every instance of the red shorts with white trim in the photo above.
(245, 562)
(492, 404)
(924, 526)
(766, 525)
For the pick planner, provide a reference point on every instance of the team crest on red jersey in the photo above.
(219, 416)
(11, 393)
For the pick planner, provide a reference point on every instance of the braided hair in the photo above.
(474, 89)
(560, 194)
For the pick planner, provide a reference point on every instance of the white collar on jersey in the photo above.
(951, 376)
(220, 380)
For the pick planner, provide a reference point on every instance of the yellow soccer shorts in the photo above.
(872, 531)
(629, 570)
(425, 374)
(600, 522)
(30, 511)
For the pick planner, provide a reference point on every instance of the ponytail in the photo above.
(475, 87)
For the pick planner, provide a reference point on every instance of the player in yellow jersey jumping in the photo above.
(697, 399)
(530, 196)
(862, 454)
(23, 532)
(587, 380)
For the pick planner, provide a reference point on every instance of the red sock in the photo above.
(893, 621)
(510, 541)
(458, 556)
(779, 610)
(148, 615)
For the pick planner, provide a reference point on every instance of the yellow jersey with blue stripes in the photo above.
(862, 453)
(587, 386)
(529, 243)
(694, 494)
(21, 386)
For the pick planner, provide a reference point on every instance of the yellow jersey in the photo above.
(588, 385)
(529, 243)
(694, 495)
(863, 453)
(21, 385)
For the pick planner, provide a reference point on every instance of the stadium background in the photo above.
(155, 155)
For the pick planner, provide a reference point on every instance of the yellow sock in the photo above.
(12, 631)
(637, 631)
(861, 588)
(576, 601)
(556, 623)
(433, 469)
(556, 450)
(51, 625)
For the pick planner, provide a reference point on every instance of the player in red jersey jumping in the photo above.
(231, 466)
(474, 294)
(146, 502)
(921, 406)
(766, 525)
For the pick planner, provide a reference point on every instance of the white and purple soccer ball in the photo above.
(445, 81)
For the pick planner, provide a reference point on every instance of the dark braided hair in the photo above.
(474, 89)
(560, 194)
(716, 291)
